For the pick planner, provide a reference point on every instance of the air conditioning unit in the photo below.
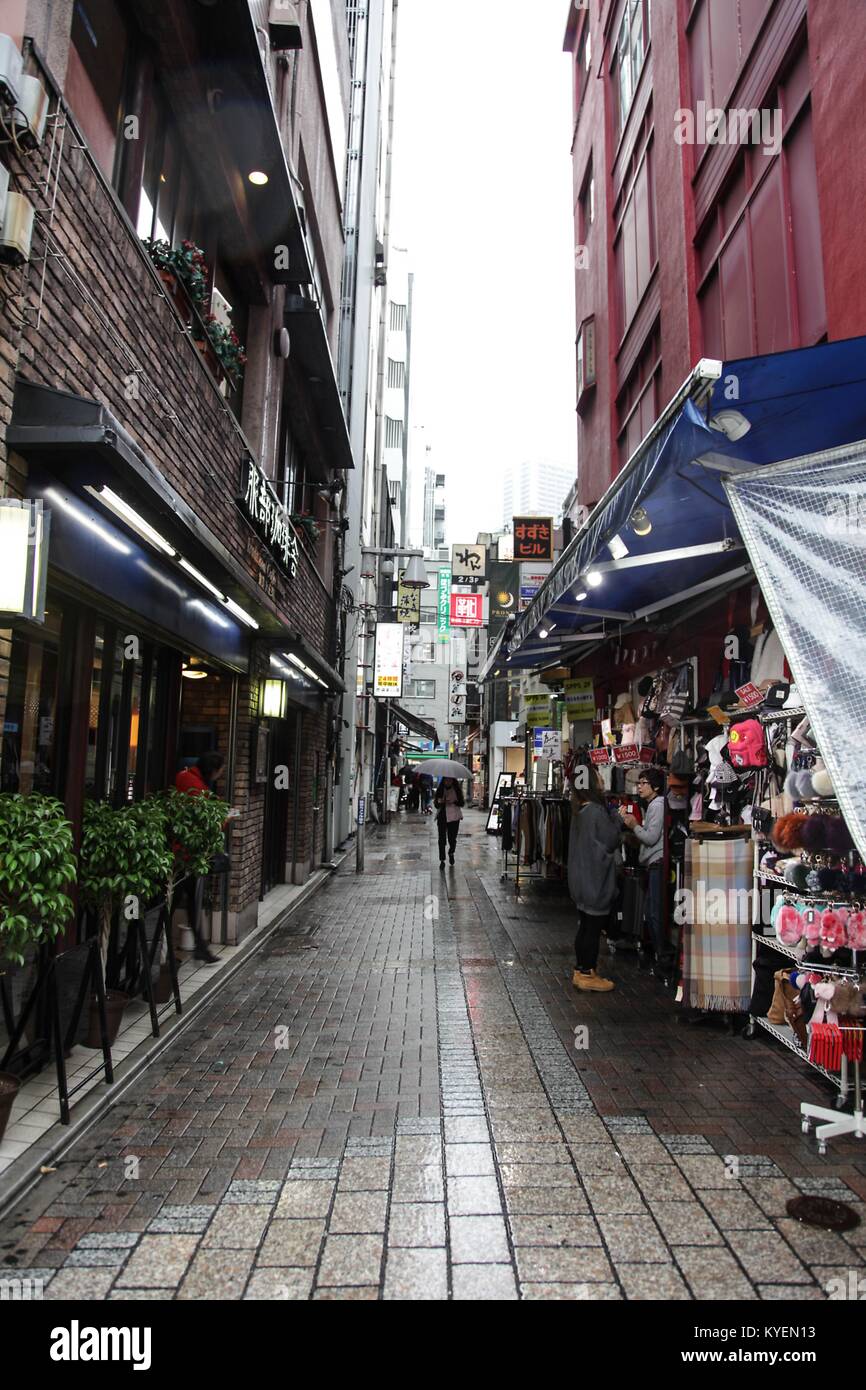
(284, 26)
(31, 112)
(16, 229)
(11, 69)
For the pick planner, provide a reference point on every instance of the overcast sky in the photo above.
(482, 200)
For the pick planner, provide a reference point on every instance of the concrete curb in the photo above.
(24, 1173)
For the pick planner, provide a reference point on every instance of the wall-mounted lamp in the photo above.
(274, 699)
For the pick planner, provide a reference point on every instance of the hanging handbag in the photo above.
(678, 697)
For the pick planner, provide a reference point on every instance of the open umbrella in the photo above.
(445, 767)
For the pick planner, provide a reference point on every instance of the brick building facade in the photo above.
(89, 316)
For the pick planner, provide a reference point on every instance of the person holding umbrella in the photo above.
(449, 802)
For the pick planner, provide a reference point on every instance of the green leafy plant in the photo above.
(36, 865)
(126, 860)
(227, 346)
(195, 825)
(186, 262)
(309, 525)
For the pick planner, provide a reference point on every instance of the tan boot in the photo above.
(591, 981)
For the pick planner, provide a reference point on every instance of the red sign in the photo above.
(533, 538)
(626, 753)
(599, 755)
(750, 694)
(467, 610)
(647, 754)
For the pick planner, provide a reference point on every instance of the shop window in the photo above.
(720, 38)
(123, 698)
(28, 750)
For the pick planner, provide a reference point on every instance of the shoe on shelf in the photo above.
(203, 953)
(591, 980)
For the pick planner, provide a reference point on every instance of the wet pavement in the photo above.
(387, 1102)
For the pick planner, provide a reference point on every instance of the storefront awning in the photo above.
(319, 675)
(79, 440)
(727, 417)
(414, 722)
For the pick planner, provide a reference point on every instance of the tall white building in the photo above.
(394, 372)
(538, 488)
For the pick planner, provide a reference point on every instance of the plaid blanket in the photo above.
(717, 944)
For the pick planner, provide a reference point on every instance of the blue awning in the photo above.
(727, 417)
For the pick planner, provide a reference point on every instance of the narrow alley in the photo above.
(387, 1102)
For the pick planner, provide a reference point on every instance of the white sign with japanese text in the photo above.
(388, 662)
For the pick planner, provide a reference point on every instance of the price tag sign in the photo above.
(750, 694)
(647, 754)
(599, 756)
(627, 754)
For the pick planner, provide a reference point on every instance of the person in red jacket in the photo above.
(199, 780)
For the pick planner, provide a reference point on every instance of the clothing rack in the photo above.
(521, 794)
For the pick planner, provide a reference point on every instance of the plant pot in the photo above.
(115, 1003)
(9, 1088)
(163, 990)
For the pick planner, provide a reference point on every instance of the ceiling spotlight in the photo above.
(543, 632)
(580, 595)
(730, 423)
(640, 522)
(593, 579)
(258, 178)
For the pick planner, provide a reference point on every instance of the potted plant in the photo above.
(182, 265)
(36, 865)
(308, 524)
(196, 825)
(125, 863)
(227, 347)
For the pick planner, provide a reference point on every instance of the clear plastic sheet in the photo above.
(804, 524)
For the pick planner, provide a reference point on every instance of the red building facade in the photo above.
(719, 169)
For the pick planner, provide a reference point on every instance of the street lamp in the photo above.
(414, 577)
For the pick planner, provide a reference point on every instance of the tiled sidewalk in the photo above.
(387, 1103)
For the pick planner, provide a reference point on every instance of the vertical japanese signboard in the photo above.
(408, 603)
(444, 605)
(388, 664)
(467, 610)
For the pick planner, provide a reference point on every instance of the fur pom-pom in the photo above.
(789, 926)
(821, 784)
(856, 929)
(788, 831)
(832, 930)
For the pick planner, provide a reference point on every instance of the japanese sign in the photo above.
(533, 538)
(580, 699)
(467, 610)
(531, 579)
(537, 711)
(457, 681)
(388, 662)
(457, 709)
(504, 585)
(265, 511)
(443, 604)
(548, 744)
(408, 603)
(468, 562)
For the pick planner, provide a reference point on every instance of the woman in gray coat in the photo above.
(594, 839)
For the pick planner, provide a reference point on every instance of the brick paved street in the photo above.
(386, 1103)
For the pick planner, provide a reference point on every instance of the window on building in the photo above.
(759, 249)
(396, 374)
(587, 204)
(424, 690)
(394, 494)
(424, 653)
(631, 46)
(96, 76)
(584, 62)
(635, 246)
(638, 403)
(393, 433)
(721, 35)
(398, 318)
